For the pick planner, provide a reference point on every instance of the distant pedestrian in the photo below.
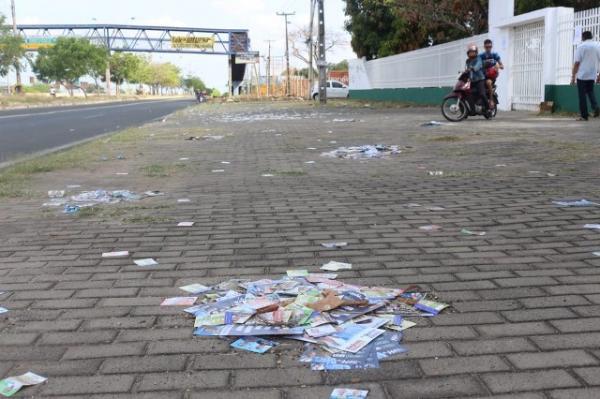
(585, 71)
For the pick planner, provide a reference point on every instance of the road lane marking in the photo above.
(83, 109)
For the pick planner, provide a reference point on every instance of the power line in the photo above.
(287, 48)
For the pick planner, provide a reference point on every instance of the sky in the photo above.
(258, 16)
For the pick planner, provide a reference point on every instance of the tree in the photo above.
(299, 38)
(194, 83)
(377, 31)
(161, 75)
(124, 67)
(68, 61)
(12, 52)
(384, 27)
(340, 66)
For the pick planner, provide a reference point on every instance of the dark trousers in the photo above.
(481, 90)
(586, 89)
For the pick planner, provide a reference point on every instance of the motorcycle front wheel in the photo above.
(454, 109)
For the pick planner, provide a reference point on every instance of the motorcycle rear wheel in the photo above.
(454, 109)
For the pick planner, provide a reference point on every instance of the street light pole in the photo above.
(17, 67)
(287, 49)
(269, 69)
(311, 72)
(322, 62)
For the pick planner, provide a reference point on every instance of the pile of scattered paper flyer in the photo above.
(86, 199)
(345, 326)
(363, 151)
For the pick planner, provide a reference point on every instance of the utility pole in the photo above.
(287, 49)
(17, 67)
(322, 62)
(269, 69)
(311, 26)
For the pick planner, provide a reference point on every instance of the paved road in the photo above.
(29, 131)
(525, 315)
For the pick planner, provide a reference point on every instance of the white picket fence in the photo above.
(569, 27)
(434, 66)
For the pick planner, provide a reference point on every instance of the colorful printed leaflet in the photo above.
(346, 393)
(195, 288)
(11, 385)
(179, 301)
(246, 330)
(253, 344)
(430, 306)
(334, 266)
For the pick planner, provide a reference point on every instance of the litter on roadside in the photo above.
(71, 209)
(116, 254)
(185, 224)
(145, 262)
(596, 253)
(592, 226)
(3, 310)
(195, 289)
(183, 200)
(179, 301)
(213, 138)
(338, 244)
(86, 199)
(297, 273)
(218, 170)
(184, 159)
(344, 326)
(56, 193)
(432, 124)
(11, 385)
(105, 197)
(343, 120)
(347, 393)
(364, 152)
(436, 173)
(267, 175)
(472, 233)
(154, 193)
(431, 227)
(579, 203)
(253, 344)
(334, 266)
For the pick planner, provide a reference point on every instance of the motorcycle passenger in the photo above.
(492, 63)
(475, 68)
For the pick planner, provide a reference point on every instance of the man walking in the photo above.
(585, 71)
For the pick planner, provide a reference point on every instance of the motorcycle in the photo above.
(462, 102)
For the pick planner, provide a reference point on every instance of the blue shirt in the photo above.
(489, 59)
(476, 66)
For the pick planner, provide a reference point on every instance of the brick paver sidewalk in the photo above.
(525, 317)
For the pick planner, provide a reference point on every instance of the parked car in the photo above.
(335, 89)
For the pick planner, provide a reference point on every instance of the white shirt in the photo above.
(588, 56)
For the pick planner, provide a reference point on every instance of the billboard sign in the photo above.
(201, 42)
(33, 43)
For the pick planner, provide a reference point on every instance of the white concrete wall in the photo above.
(438, 66)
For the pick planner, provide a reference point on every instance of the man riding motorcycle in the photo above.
(492, 63)
(477, 75)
